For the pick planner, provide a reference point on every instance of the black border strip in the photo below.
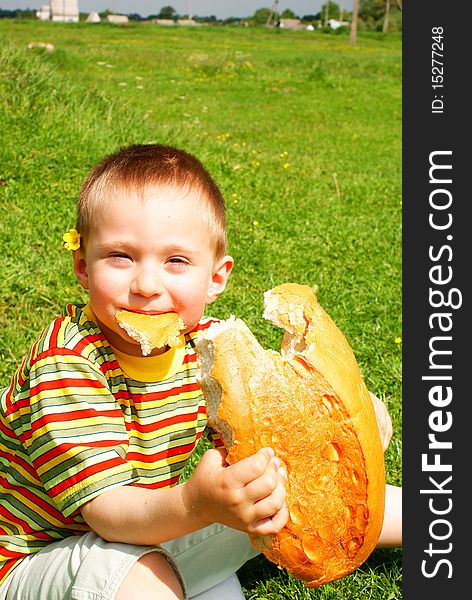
(437, 420)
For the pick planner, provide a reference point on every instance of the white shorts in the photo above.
(89, 568)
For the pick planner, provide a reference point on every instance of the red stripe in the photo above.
(158, 484)
(109, 366)
(7, 568)
(64, 383)
(89, 339)
(85, 473)
(53, 352)
(34, 499)
(156, 425)
(55, 330)
(64, 448)
(14, 519)
(23, 524)
(203, 326)
(8, 553)
(190, 358)
(7, 433)
(175, 391)
(156, 456)
(16, 406)
(14, 458)
(46, 386)
(122, 394)
(35, 346)
(77, 415)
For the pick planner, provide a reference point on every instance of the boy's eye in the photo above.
(177, 260)
(119, 255)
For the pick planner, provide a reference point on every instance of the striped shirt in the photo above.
(80, 418)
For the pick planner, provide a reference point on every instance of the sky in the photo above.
(220, 8)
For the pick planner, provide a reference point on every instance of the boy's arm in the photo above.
(249, 496)
(141, 516)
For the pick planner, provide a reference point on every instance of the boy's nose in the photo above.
(146, 283)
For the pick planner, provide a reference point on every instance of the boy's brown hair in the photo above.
(141, 167)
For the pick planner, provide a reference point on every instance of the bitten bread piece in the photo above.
(310, 405)
(151, 331)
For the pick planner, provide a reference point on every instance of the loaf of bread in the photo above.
(151, 331)
(310, 404)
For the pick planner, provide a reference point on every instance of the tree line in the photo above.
(373, 15)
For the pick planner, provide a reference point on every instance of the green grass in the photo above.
(301, 131)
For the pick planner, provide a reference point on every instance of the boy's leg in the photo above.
(210, 556)
(151, 577)
(87, 567)
(230, 589)
(391, 534)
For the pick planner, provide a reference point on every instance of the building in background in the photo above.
(118, 19)
(65, 10)
(93, 17)
(44, 13)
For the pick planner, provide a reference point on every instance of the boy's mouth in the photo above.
(151, 313)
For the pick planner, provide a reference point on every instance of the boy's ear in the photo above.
(80, 268)
(221, 272)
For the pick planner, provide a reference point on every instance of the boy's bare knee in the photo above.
(152, 576)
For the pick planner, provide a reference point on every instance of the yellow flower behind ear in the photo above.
(71, 239)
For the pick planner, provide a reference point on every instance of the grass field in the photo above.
(301, 131)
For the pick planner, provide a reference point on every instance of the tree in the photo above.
(261, 15)
(386, 16)
(288, 14)
(330, 10)
(355, 15)
(381, 15)
(167, 12)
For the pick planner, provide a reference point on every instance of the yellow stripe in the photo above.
(163, 462)
(71, 425)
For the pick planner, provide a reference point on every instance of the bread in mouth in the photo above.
(151, 331)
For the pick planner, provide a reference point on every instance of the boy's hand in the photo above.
(249, 495)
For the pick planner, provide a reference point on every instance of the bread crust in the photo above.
(310, 404)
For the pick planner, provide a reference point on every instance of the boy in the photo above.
(93, 446)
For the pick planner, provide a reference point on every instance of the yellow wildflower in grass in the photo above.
(286, 165)
(71, 239)
(398, 340)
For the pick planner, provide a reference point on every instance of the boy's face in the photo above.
(152, 256)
